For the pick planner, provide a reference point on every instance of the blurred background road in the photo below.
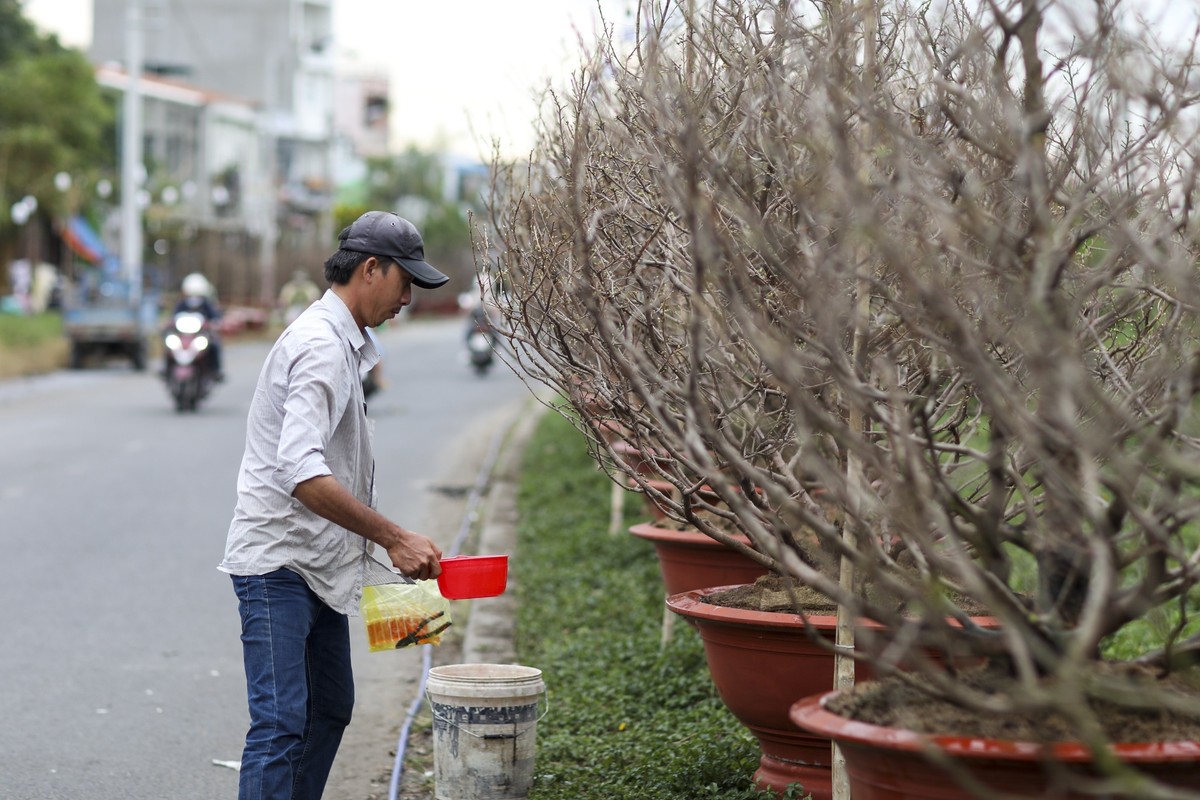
(121, 663)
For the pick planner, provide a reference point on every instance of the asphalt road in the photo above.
(120, 666)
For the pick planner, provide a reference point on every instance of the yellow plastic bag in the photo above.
(403, 614)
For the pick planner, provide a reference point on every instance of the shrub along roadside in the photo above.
(628, 716)
(31, 345)
(26, 331)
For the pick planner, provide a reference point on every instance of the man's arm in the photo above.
(416, 556)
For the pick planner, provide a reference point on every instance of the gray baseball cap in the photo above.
(384, 233)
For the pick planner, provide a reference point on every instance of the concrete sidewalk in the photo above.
(387, 683)
(489, 633)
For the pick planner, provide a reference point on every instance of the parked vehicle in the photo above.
(189, 370)
(106, 321)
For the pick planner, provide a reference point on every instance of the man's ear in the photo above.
(370, 266)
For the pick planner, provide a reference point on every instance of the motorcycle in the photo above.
(189, 370)
(372, 381)
(480, 342)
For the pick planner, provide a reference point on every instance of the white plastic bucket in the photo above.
(484, 730)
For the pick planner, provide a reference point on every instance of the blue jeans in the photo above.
(299, 684)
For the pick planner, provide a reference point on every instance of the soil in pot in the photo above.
(895, 703)
(774, 592)
(885, 730)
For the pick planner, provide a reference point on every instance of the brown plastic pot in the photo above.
(890, 763)
(760, 662)
(690, 559)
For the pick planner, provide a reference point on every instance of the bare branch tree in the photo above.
(967, 264)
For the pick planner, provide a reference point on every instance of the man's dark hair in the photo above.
(341, 265)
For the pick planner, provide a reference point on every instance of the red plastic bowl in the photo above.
(465, 577)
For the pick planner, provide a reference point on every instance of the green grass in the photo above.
(28, 331)
(1150, 632)
(628, 717)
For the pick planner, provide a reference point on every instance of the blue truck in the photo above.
(106, 321)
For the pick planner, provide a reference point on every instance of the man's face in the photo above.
(393, 291)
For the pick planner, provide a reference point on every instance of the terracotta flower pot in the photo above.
(888, 763)
(760, 662)
(691, 560)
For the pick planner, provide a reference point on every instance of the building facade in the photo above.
(362, 114)
(266, 169)
(207, 198)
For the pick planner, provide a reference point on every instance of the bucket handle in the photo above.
(545, 696)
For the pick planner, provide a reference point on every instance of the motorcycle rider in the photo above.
(482, 318)
(197, 297)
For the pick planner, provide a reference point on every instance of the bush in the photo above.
(29, 331)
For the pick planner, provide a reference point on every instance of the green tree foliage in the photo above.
(345, 213)
(446, 229)
(17, 34)
(414, 173)
(53, 116)
(412, 184)
(415, 180)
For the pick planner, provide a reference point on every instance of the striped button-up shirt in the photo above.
(308, 419)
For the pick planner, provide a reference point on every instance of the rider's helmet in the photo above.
(195, 285)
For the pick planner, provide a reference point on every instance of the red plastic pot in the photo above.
(890, 763)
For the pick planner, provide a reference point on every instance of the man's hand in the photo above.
(416, 556)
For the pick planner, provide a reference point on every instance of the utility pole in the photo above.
(131, 153)
(269, 195)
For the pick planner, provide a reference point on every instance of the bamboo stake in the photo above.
(843, 670)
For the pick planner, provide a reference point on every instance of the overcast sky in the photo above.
(465, 73)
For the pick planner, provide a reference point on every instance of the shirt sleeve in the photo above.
(315, 400)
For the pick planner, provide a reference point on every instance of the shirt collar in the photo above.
(345, 320)
(368, 353)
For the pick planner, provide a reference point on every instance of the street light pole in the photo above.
(131, 153)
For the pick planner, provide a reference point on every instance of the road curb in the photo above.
(488, 637)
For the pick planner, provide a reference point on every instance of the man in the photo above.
(302, 532)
